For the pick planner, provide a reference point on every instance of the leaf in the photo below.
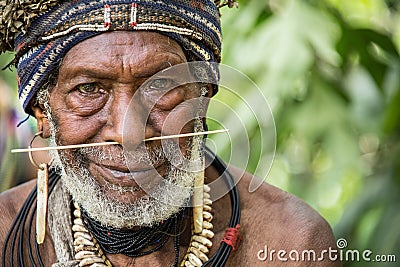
(360, 42)
(385, 41)
(391, 122)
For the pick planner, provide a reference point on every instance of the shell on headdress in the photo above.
(16, 16)
(229, 3)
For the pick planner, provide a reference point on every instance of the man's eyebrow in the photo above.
(152, 69)
(155, 66)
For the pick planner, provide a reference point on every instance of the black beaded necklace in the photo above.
(135, 243)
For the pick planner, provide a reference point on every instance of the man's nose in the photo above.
(127, 122)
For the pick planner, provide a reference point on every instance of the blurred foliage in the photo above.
(330, 70)
(331, 73)
(11, 172)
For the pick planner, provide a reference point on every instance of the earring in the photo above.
(198, 201)
(42, 194)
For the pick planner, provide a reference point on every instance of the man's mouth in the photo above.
(122, 176)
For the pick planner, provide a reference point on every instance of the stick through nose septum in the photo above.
(24, 150)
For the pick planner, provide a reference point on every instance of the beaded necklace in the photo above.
(89, 252)
(135, 243)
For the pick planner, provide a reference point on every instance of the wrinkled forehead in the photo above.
(141, 53)
(122, 44)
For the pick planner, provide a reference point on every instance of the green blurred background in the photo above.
(330, 70)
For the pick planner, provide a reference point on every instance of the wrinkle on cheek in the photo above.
(170, 100)
(71, 127)
(156, 119)
(177, 96)
(178, 120)
(82, 110)
(85, 106)
(74, 129)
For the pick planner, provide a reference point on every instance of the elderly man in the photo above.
(85, 72)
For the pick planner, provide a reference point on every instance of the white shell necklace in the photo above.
(89, 253)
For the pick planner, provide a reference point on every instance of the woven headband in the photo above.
(41, 32)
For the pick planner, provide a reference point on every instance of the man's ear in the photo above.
(42, 121)
(206, 101)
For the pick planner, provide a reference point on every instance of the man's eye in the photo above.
(89, 88)
(160, 84)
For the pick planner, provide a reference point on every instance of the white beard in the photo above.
(165, 199)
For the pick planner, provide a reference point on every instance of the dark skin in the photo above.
(98, 78)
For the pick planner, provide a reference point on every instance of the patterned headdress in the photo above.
(41, 32)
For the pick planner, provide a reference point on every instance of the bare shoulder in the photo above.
(10, 203)
(273, 219)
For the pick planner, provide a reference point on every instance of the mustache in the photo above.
(144, 154)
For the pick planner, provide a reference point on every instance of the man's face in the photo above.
(97, 81)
